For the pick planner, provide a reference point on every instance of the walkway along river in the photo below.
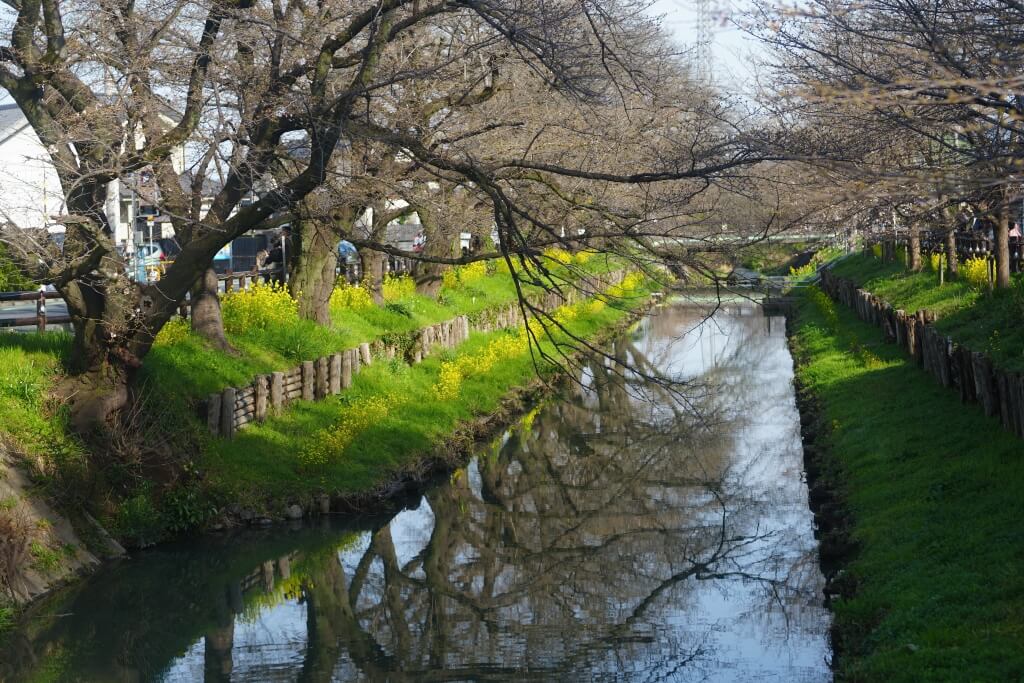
(630, 529)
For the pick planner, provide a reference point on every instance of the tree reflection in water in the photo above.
(624, 531)
(609, 536)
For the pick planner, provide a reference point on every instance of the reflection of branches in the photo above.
(570, 551)
(591, 517)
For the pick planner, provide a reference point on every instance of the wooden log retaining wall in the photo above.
(235, 408)
(1000, 393)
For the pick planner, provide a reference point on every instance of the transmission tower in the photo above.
(705, 70)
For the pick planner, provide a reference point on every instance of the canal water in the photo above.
(650, 525)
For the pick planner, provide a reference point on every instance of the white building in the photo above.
(30, 192)
(31, 195)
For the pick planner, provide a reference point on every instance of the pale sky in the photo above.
(731, 48)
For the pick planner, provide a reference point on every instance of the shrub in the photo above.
(449, 381)
(628, 284)
(396, 288)
(459, 276)
(351, 297)
(185, 507)
(581, 258)
(262, 306)
(503, 347)
(138, 522)
(803, 271)
(876, 250)
(933, 262)
(174, 332)
(975, 272)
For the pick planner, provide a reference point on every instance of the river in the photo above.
(642, 526)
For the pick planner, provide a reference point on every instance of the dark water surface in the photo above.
(621, 532)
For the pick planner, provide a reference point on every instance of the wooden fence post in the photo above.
(355, 360)
(364, 353)
(261, 386)
(984, 384)
(213, 413)
(307, 380)
(227, 413)
(335, 372)
(277, 391)
(346, 369)
(322, 377)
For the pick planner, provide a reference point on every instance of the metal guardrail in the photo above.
(42, 318)
(230, 281)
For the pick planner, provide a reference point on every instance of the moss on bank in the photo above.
(934, 491)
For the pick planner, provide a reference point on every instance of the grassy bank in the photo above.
(982, 320)
(933, 488)
(392, 414)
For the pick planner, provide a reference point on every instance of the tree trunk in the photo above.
(914, 249)
(429, 276)
(373, 273)
(1003, 248)
(205, 311)
(952, 266)
(314, 269)
(115, 321)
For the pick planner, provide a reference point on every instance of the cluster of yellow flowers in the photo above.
(804, 270)
(331, 442)
(876, 250)
(458, 276)
(398, 288)
(975, 272)
(262, 306)
(174, 332)
(558, 254)
(351, 297)
(628, 284)
(503, 347)
(933, 262)
(449, 380)
(581, 258)
(564, 314)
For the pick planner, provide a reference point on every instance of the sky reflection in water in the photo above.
(630, 531)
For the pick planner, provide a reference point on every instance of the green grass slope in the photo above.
(935, 491)
(984, 321)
